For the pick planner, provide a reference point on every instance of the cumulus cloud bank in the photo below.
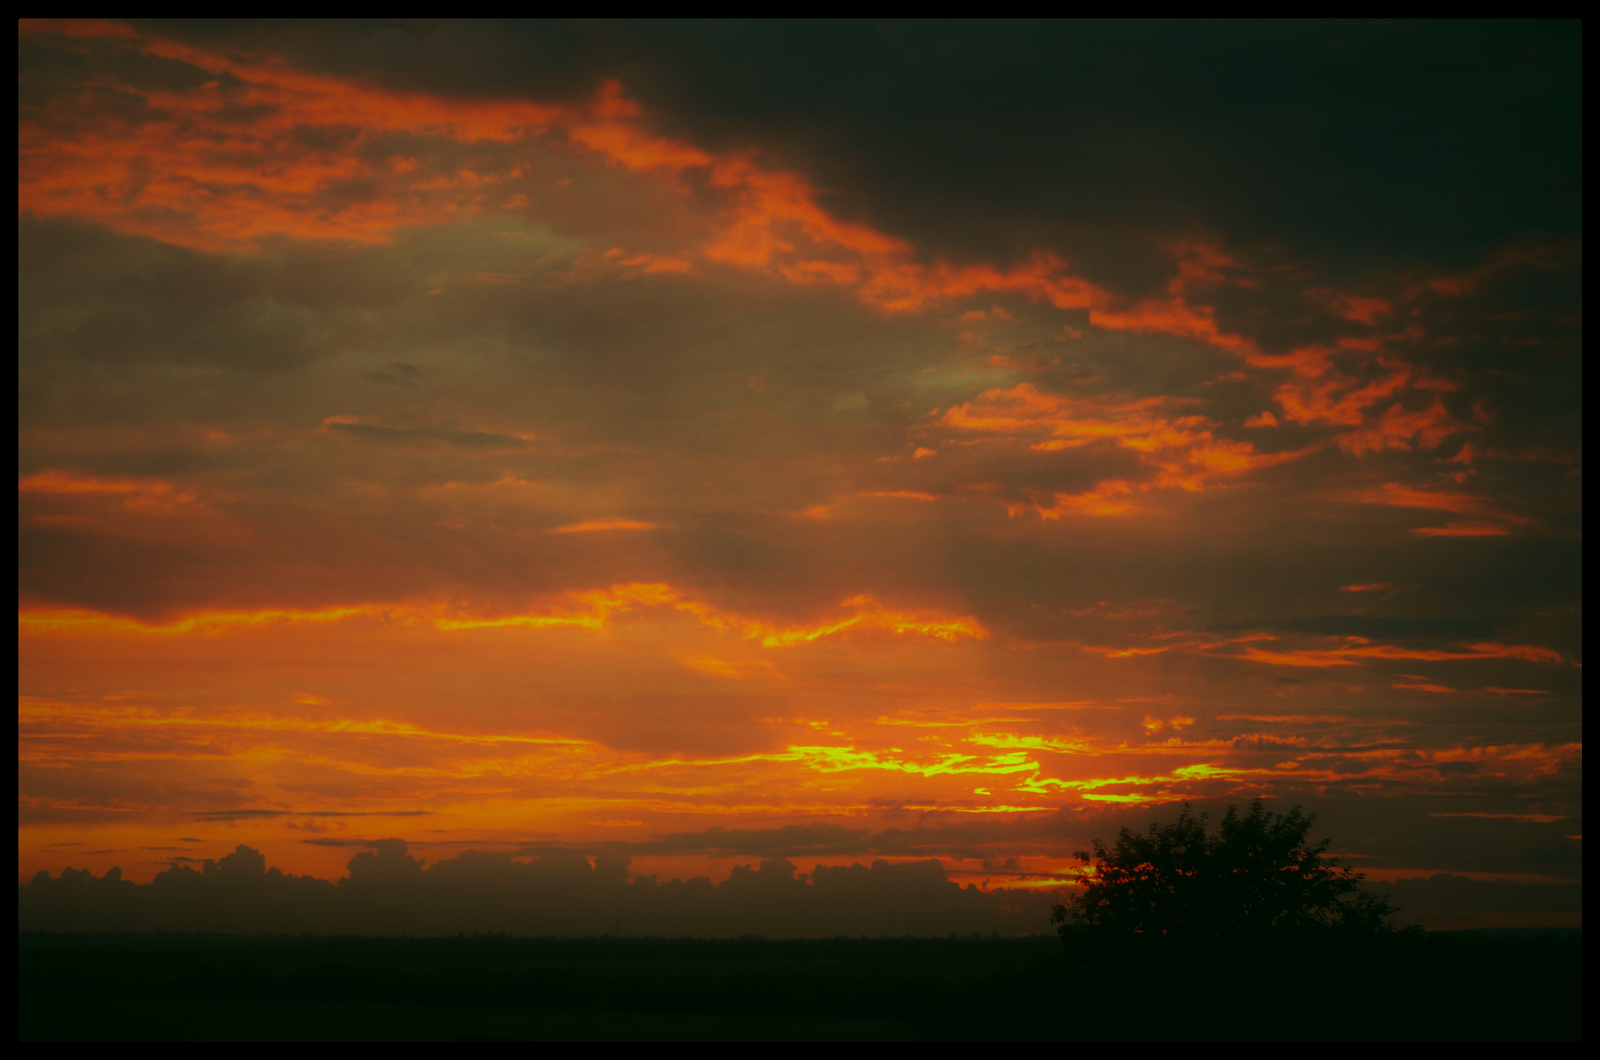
(390, 892)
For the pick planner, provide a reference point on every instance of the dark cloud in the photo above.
(1388, 626)
(390, 892)
(1449, 900)
(1345, 140)
(1409, 834)
(398, 373)
(413, 435)
(87, 297)
(788, 841)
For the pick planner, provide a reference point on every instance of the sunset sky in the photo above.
(834, 441)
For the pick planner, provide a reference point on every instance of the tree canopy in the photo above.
(1256, 878)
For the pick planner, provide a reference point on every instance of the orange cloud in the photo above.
(1525, 652)
(1400, 496)
(1312, 361)
(589, 526)
(1393, 493)
(1104, 499)
(1462, 530)
(1359, 308)
(903, 495)
(1198, 264)
(843, 506)
(1320, 395)
(1349, 654)
(1174, 317)
(223, 167)
(1181, 451)
(106, 717)
(647, 263)
(228, 165)
(1402, 428)
(135, 493)
(1130, 652)
(591, 610)
(1339, 400)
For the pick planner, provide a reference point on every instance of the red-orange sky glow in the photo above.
(501, 471)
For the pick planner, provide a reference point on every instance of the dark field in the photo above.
(1443, 986)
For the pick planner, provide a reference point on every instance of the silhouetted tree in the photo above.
(1256, 879)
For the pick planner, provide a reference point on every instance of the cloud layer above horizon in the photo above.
(623, 438)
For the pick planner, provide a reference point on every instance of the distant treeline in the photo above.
(389, 892)
(1417, 986)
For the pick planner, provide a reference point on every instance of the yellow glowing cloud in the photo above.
(70, 621)
(589, 610)
(1183, 774)
(837, 759)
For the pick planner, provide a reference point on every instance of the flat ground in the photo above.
(126, 987)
